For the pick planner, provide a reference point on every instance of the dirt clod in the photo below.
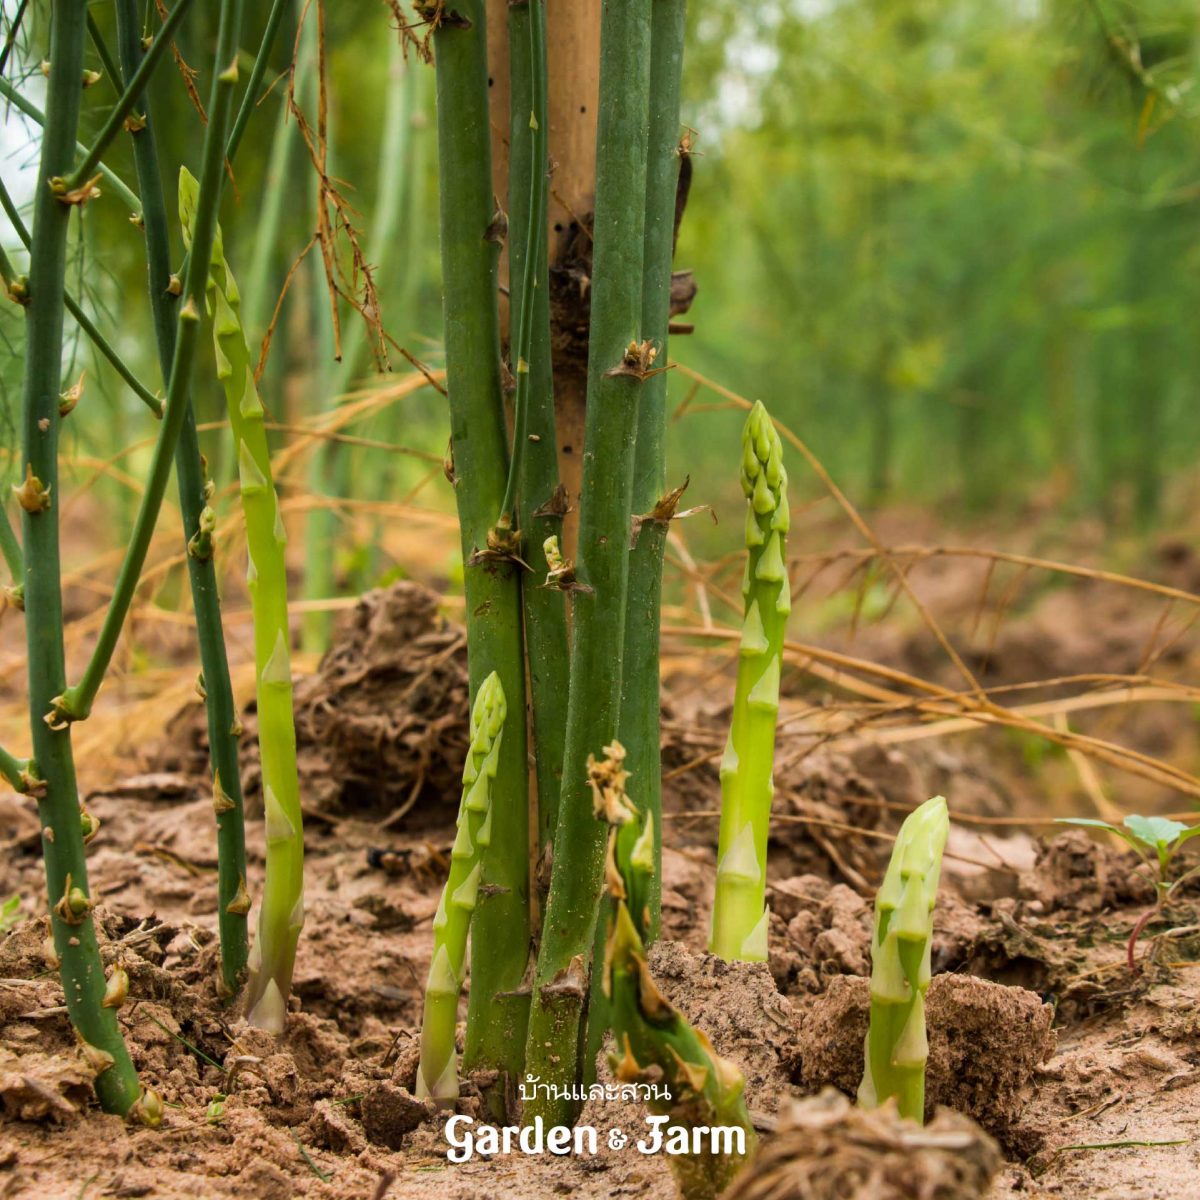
(389, 1112)
(826, 1149)
(985, 1043)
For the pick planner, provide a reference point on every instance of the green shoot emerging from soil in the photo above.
(897, 1046)
(739, 927)
(656, 1042)
(437, 1075)
(281, 916)
(1164, 838)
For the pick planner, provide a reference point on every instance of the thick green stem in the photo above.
(640, 691)
(618, 363)
(75, 703)
(281, 916)
(740, 918)
(897, 1045)
(655, 1042)
(499, 1001)
(74, 933)
(131, 95)
(198, 520)
(437, 1074)
(9, 274)
(639, 722)
(535, 458)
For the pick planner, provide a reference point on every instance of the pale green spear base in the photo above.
(897, 1046)
(437, 1074)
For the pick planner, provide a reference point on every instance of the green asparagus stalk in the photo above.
(653, 504)
(619, 362)
(470, 235)
(739, 922)
(535, 460)
(281, 916)
(655, 1042)
(13, 559)
(198, 520)
(651, 500)
(437, 1074)
(72, 927)
(897, 1046)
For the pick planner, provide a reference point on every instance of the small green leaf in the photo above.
(1090, 822)
(1156, 832)
(1193, 831)
(10, 913)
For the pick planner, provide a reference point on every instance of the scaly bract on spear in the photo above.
(655, 1041)
(437, 1074)
(281, 915)
(739, 924)
(897, 1045)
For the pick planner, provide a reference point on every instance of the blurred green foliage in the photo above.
(952, 244)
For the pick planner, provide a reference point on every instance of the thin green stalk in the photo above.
(14, 29)
(120, 188)
(618, 364)
(131, 95)
(16, 771)
(535, 458)
(281, 916)
(276, 192)
(13, 281)
(529, 144)
(75, 703)
(654, 506)
(331, 464)
(437, 1073)
(655, 1042)
(250, 98)
(59, 812)
(96, 35)
(897, 1045)
(740, 917)
(499, 1002)
(11, 549)
(198, 521)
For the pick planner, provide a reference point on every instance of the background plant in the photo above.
(1163, 838)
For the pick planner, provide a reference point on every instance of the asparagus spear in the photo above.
(739, 926)
(281, 916)
(437, 1075)
(896, 1046)
(655, 1040)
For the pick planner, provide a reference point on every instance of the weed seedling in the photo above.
(1164, 838)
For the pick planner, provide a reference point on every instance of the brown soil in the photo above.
(1040, 1036)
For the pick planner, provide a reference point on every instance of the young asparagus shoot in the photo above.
(897, 1046)
(655, 1041)
(437, 1074)
(281, 916)
(1163, 838)
(739, 924)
